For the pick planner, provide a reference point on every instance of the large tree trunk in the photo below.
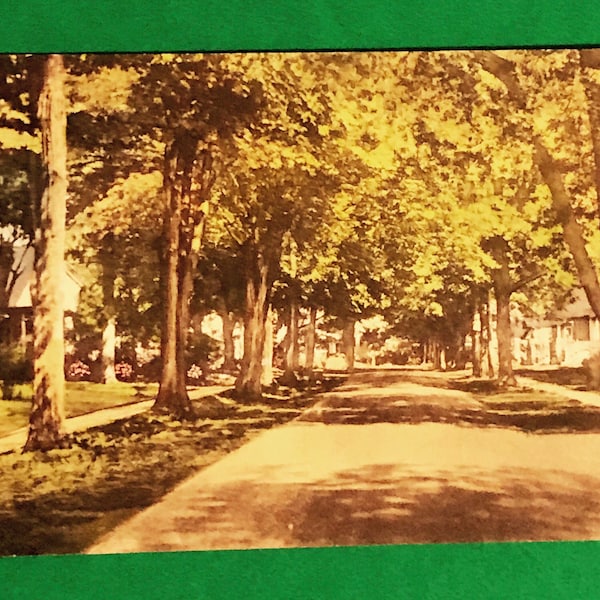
(183, 226)
(572, 230)
(590, 58)
(47, 412)
(503, 287)
(248, 384)
(168, 399)
(311, 336)
(504, 333)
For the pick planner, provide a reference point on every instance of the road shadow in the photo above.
(385, 504)
(408, 399)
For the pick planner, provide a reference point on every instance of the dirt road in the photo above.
(384, 459)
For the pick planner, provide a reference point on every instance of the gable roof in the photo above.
(576, 306)
(23, 264)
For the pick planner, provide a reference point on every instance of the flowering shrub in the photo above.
(78, 371)
(195, 373)
(124, 371)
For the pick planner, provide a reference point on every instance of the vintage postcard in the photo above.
(273, 300)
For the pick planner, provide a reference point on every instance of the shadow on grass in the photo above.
(63, 500)
(568, 376)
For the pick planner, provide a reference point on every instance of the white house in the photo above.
(17, 318)
(567, 336)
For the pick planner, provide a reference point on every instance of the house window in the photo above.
(581, 329)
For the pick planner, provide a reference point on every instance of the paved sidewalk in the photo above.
(17, 439)
(313, 484)
(591, 398)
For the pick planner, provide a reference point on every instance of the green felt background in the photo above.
(552, 570)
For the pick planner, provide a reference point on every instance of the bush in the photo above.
(591, 368)
(15, 365)
(124, 371)
(78, 371)
(150, 371)
(17, 391)
(195, 374)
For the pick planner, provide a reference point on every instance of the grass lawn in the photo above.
(63, 500)
(80, 398)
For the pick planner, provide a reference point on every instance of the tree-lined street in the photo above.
(267, 224)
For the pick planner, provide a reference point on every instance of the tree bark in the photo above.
(109, 336)
(267, 361)
(572, 230)
(168, 399)
(436, 356)
(487, 363)
(108, 263)
(228, 343)
(504, 333)
(311, 337)
(248, 384)
(47, 412)
(291, 354)
(348, 344)
(183, 226)
(503, 287)
(590, 58)
(476, 342)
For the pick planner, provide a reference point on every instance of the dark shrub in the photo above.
(15, 364)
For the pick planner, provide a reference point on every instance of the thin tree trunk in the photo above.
(267, 362)
(348, 344)
(187, 266)
(487, 361)
(291, 354)
(476, 342)
(108, 262)
(47, 412)
(109, 337)
(228, 343)
(311, 336)
(436, 357)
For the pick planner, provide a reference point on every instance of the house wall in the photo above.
(567, 344)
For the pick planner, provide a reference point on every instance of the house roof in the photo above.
(575, 306)
(20, 296)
